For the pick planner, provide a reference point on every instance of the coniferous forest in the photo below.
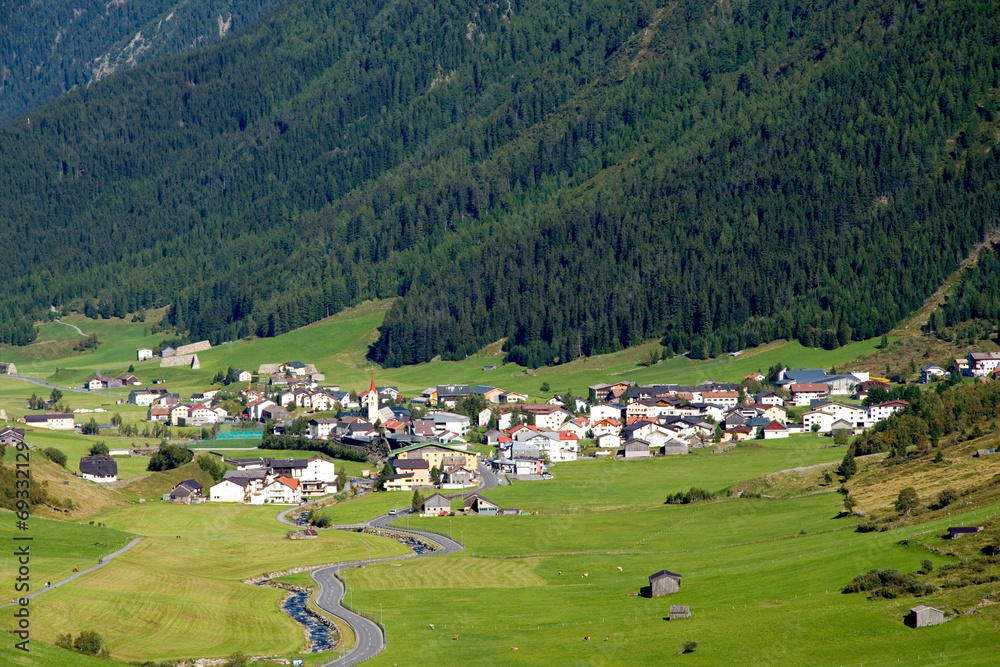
(573, 176)
(48, 47)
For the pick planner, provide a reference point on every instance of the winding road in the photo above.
(369, 635)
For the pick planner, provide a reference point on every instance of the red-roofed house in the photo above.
(283, 491)
(775, 430)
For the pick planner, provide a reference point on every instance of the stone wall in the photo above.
(194, 347)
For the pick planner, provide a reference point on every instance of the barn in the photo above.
(922, 616)
(636, 449)
(664, 582)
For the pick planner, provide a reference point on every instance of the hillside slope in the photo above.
(573, 178)
(49, 46)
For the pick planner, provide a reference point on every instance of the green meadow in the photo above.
(179, 593)
(762, 578)
(338, 344)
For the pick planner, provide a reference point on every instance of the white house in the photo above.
(319, 429)
(768, 397)
(726, 399)
(229, 491)
(983, 363)
(927, 373)
(609, 441)
(881, 411)
(605, 411)
(283, 491)
(775, 430)
(144, 353)
(243, 376)
(320, 469)
(99, 468)
(603, 426)
(821, 419)
(804, 392)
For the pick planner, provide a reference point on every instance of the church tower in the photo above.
(371, 400)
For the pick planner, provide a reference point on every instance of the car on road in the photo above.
(392, 512)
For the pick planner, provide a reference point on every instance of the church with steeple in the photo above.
(369, 401)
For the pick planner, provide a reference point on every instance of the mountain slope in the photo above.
(49, 46)
(574, 177)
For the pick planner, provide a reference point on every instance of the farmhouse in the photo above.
(99, 468)
(54, 421)
(144, 353)
(922, 616)
(232, 490)
(480, 505)
(437, 505)
(663, 583)
(11, 436)
(983, 363)
(187, 492)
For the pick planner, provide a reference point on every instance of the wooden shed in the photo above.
(636, 449)
(679, 611)
(922, 616)
(664, 582)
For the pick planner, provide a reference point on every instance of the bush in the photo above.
(907, 501)
(88, 642)
(688, 647)
(946, 497)
(99, 449)
(55, 455)
(169, 457)
(692, 495)
(888, 584)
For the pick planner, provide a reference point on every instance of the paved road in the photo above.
(369, 635)
(79, 390)
(104, 561)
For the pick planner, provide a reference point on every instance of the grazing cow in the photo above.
(455, 637)
(432, 625)
(607, 638)
(513, 648)
(586, 574)
(619, 568)
(587, 638)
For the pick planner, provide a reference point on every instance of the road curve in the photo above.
(369, 635)
(78, 390)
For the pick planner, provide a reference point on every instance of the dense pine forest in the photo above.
(49, 46)
(573, 176)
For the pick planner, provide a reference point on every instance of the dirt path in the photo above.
(911, 326)
(67, 324)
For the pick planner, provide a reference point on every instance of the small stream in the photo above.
(319, 634)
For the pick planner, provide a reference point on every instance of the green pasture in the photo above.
(56, 548)
(761, 590)
(338, 344)
(179, 593)
(44, 655)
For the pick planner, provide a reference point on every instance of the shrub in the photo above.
(946, 497)
(55, 455)
(88, 642)
(692, 495)
(169, 457)
(907, 501)
(99, 449)
(888, 584)
(688, 647)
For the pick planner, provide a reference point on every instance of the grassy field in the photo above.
(56, 548)
(749, 566)
(338, 344)
(179, 592)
